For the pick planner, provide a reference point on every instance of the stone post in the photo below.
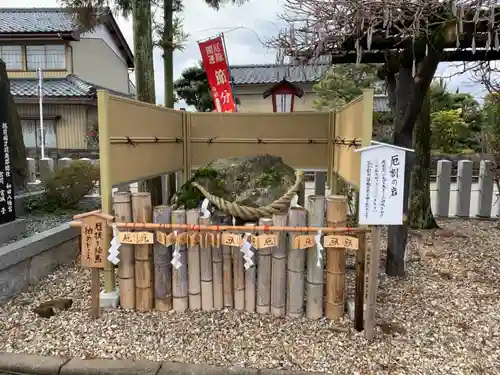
(464, 186)
(485, 199)
(64, 162)
(319, 183)
(30, 170)
(443, 181)
(46, 168)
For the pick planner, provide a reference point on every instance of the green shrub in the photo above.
(68, 186)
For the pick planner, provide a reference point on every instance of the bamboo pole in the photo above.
(314, 275)
(295, 267)
(193, 265)
(278, 269)
(218, 274)
(359, 298)
(122, 205)
(227, 282)
(264, 275)
(250, 279)
(373, 262)
(162, 258)
(142, 213)
(336, 213)
(206, 272)
(179, 276)
(238, 279)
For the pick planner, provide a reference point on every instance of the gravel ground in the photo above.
(442, 319)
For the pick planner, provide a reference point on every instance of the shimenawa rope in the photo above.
(253, 213)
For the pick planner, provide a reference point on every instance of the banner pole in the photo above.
(229, 70)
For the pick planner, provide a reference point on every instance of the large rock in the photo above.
(253, 181)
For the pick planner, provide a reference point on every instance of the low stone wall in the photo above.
(25, 262)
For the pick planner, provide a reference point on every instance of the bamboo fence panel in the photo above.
(193, 263)
(295, 267)
(250, 279)
(217, 273)
(162, 257)
(264, 275)
(227, 269)
(278, 269)
(179, 276)
(238, 279)
(206, 271)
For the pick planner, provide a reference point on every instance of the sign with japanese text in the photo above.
(94, 248)
(341, 242)
(217, 69)
(136, 238)
(381, 185)
(7, 212)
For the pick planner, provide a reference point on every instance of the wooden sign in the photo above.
(181, 238)
(94, 239)
(264, 241)
(343, 242)
(231, 239)
(304, 241)
(161, 237)
(136, 238)
(193, 239)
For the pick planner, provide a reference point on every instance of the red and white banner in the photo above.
(215, 63)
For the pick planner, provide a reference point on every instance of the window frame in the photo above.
(44, 46)
(21, 51)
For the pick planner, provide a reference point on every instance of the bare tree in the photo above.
(410, 38)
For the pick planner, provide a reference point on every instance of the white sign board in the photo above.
(381, 185)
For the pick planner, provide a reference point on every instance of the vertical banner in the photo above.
(215, 63)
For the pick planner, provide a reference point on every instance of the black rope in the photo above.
(211, 139)
(178, 140)
(311, 141)
(259, 140)
(157, 139)
(131, 142)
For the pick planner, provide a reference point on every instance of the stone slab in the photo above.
(31, 364)
(14, 280)
(173, 368)
(78, 366)
(109, 300)
(287, 372)
(10, 231)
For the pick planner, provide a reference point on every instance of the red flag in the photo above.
(215, 63)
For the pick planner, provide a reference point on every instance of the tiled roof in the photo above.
(273, 73)
(381, 103)
(70, 86)
(39, 20)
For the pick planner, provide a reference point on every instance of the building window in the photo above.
(50, 57)
(32, 135)
(12, 56)
(283, 102)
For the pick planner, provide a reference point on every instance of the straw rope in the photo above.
(253, 213)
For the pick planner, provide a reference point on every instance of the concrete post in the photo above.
(319, 183)
(64, 162)
(464, 186)
(443, 180)
(485, 199)
(30, 170)
(46, 168)
(86, 159)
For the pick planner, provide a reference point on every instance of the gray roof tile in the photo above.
(41, 20)
(274, 73)
(381, 103)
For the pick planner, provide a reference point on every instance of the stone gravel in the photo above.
(442, 319)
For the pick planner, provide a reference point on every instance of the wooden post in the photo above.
(373, 260)
(206, 271)
(96, 289)
(162, 256)
(142, 213)
(126, 268)
(359, 297)
(278, 269)
(227, 269)
(250, 281)
(314, 275)
(296, 266)
(218, 274)
(193, 263)
(264, 275)
(238, 278)
(336, 214)
(179, 276)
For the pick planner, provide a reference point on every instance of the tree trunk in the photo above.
(168, 53)
(420, 211)
(144, 75)
(15, 132)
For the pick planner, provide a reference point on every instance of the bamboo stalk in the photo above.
(218, 276)
(227, 282)
(278, 269)
(336, 212)
(314, 275)
(295, 267)
(238, 278)
(193, 265)
(206, 272)
(359, 298)
(142, 213)
(264, 275)
(373, 268)
(122, 205)
(162, 257)
(179, 276)
(250, 279)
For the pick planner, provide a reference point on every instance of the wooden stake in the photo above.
(162, 256)
(96, 289)
(359, 298)
(297, 216)
(122, 205)
(278, 269)
(227, 269)
(336, 214)
(372, 263)
(238, 278)
(193, 260)
(142, 213)
(179, 276)
(264, 275)
(250, 281)
(206, 271)
(218, 277)
(314, 277)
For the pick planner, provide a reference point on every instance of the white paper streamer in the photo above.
(115, 245)
(234, 221)
(204, 209)
(176, 255)
(319, 248)
(247, 252)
